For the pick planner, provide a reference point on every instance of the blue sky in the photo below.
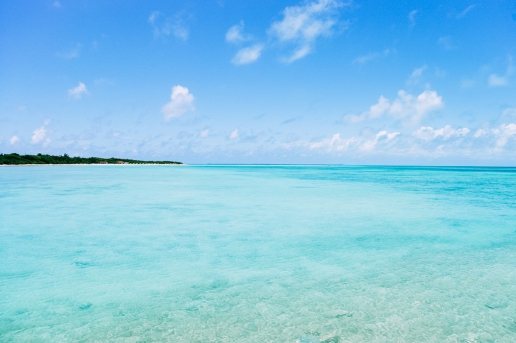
(240, 81)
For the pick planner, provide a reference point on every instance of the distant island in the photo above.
(16, 159)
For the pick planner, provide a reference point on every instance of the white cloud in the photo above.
(412, 17)
(204, 133)
(496, 80)
(505, 133)
(480, 133)
(371, 56)
(416, 75)
(405, 106)
(467, 83)
(446, 42)
(501, 135)
(428, 133)
(73, 52)
(234, 134)
(56, 4)
(248, 55)
(335, 143)
(303, 24)
(235, 34)
(39, 134)
(463, 13)
(153, 17)
(14, 140)
(77, 92)
(509, 112)
(380, 136)
(173, 25)
(181, 102)
(180, 31)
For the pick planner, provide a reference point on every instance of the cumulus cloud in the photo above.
(428, 133)
(303, 24)
(79, 91)
(173, 25)
(404, 106)
(335, 143)
(480, 133)
(235, 34)
(234, 134)
(501, 135)
(181, 101)
(380, 136)
(14, 140)
(446, 141)
(40, 134)
(248, 55)
(506, 132)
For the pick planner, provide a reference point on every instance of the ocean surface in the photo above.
(280, 254)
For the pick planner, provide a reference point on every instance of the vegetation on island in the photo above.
(16, 159)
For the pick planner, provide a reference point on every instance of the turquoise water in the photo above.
(257, 254)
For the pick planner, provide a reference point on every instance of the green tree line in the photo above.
(14, 159)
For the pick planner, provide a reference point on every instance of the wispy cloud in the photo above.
(404, 106)
(371, 56)
(303, 24)
(467, 82)
(234, 134)
(236, 35)
(79, 91)
(463, 13)
(73, 52)
(181, 101)
(56, 4)
(176, 25)
(335, 143)
(496, 80)
(446, 42)
(428, 133)
(415, 77)
(248, 55)
(204, 133)
(290, 120)
(412, 17)
(509, 112)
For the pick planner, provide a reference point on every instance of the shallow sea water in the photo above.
(257, 254)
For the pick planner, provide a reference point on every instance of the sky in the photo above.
(261, 81)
